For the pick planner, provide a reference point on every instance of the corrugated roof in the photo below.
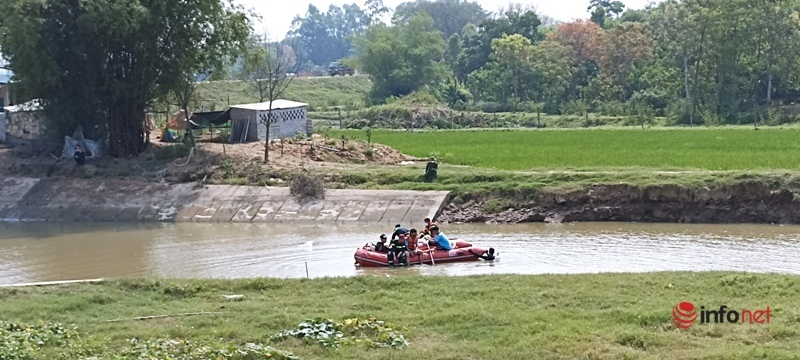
(276, 105)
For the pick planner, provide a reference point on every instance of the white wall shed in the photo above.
(289, 118)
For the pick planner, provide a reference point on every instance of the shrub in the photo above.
(307, 187)
(328, 333)
(578, 107)
(612, 108)
(172, 152)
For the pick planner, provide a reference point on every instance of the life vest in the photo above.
(412, 243)
(428, 227)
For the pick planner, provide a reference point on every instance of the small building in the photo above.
(289, 119)
(25, 121)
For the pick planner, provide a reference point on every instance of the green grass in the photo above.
(706, 148)
(604, 316)
(320, 93)
(466, 183)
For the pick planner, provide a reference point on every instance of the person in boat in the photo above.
(428, 225)
(413, 241)
(440, 240)
(381, 245)
(398, 250)
(399, 230)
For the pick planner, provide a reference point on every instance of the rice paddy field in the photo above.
(663, 148)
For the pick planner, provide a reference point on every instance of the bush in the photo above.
(655, 100)
(612, 108)
(679, 112)
(578, 107)
(172, 152)
(307, 187)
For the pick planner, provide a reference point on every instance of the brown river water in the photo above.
(31, 252)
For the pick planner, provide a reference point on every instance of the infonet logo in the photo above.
(685, 314)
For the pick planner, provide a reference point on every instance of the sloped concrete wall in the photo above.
(26, 199)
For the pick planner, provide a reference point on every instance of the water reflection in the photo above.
(53, 251)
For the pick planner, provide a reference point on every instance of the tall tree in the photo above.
(268, 69)
(603, 9)
(477, 45)
(324, 37)
(400, 58)
(586, 41)
(627, 46)
(100, 63)
(449, 16)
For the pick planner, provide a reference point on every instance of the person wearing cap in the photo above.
(397, 249)
(381, 245)
(399, 229)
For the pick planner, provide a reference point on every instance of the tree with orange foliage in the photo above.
(584, 37)
(627, 46)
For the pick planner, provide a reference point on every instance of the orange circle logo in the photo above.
(684, 315)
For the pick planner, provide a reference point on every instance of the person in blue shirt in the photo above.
(399, 230)
(440, 240)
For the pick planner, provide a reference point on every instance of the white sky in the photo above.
(278, 14)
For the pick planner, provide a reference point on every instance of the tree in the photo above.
(627, 45)
(400, 58)
(601, 9)
(522, 72)
(256, 69)
(552, 70)
(325, 37)
(453, 49)
(477, 45)
(585, 38)
(269, 69)
(514, 55)
(375, 10)
(586, 41)
(101, 63)
(449, 16)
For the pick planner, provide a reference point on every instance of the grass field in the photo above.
(319, 92)
(604, 316)
(701, 148)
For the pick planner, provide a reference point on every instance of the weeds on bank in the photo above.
(328, 333)
(22, 341)
(592, 316)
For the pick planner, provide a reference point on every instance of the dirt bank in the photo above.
(746, 202)
(211, 162)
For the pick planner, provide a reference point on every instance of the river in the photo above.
(32, 252)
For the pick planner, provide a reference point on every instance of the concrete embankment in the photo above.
(31, 199)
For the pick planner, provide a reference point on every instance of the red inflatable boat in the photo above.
(462, 251)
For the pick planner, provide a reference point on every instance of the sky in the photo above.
(278, 14)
